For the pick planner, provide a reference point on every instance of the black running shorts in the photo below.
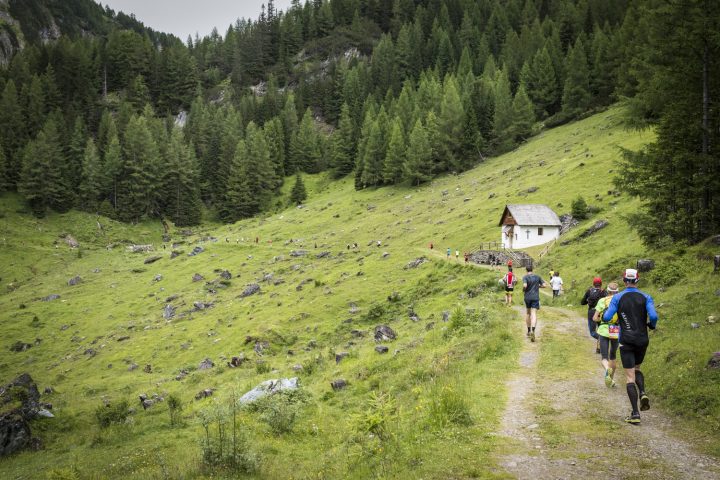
(632, 355)
(509, 289)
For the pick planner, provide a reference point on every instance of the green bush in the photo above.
(65, 473)
(448, 405)
(175, 408)
(261, 366)
(279, 414)
(113, 413)
(225, 444)
(579, 208)
(667, 273)
(377, 417)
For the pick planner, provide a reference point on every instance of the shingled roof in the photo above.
(532, 214)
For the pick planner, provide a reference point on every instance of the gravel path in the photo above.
(572, 427)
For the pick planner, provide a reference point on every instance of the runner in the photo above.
(556, 283)
(591, 297)
(531, 286)
(467, 257)
(509, 280)
(449, 251)
(608, 335)
(457, 255)
(636, 312)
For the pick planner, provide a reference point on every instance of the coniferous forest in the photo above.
(130, 123)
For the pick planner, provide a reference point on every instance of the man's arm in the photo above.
(612, 308)
(584, 300)
(652, 313)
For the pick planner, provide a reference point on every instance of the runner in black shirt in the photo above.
(636, 312)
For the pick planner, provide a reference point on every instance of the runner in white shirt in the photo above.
(556, 284)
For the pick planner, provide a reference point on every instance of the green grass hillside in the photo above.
(428, 408)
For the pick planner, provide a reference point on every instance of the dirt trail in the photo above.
(567, 424)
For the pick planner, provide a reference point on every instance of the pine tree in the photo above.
(35, 106)
(450, 124)
(236, 192)
(418, 162)
(138, 184)
(179, 184)
(4, 183)
(523, 115)
(93, 178)
(298, 194)
(540, 83)
(304, 147)
(373, 156)
(342, 144)
(113, 169)
(289, 120)
(12, 130)
(503, 118)
(75, 154)
(576, 94)
(276, 145)
(260, 172)
(395, 156)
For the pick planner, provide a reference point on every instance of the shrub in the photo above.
(579, 208)
(379, 413)
(113, 413)
(65, 473)
(225, 444)
(279, 413)
(449, 405)
(668, 273)
(175, 408)
(262, 367)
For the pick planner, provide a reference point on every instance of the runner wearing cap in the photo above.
(607, 335)
(591, 297)
(636, 312)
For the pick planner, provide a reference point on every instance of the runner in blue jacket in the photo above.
(636, 313)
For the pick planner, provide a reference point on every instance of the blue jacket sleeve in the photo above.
(652, 313)
(611, 309)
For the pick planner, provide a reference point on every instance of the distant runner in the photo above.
(509, 280)
(608, 335)
(591, 297)
(556, 283)
(449, 252)
(531, 286)
(636, 313)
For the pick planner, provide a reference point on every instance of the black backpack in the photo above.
(593, 295)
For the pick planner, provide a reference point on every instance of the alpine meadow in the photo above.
(280, 251)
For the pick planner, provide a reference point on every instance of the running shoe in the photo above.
(527, 334)
(633, 418)
(644, 402)
(608, 379)
(612, 372)
(532, 336)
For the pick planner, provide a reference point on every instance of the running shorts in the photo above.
(608, 348)
(532, 304)
(632, 355)
(509, 289)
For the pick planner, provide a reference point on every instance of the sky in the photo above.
(187, 17)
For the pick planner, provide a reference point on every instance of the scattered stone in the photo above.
(695, 325)
(415, 263)
(152, 259)
(714, 361)
(132, 366)
(168, 312)
(269, 387)
(297, 367)
(183, 373)
(717, 292)
(339, 356)
(64, 327)
(140, 248)
(261, 346)
(204, 394)
(172, 298)
(385, 254)
(237, 361)
(90, 352)
(357, 333)
(20, 346)
(384, 333)
(353, 309)
(198, 305)
(75, 280)
(322, 255)
(175, 253)
(567, 222)
(599, 225)
(50, 298)
(157, 278)
(15, 434)
(645, 265)
(533, 426)
(148, 368)
(298, 253)
(197, 277)
(531, 190)
(382, 349)
(196, 251)
(430, 326)
(49, 390)
(226, 275)
(338, 384)
(123, 338)
(71, 241)
(394, 297)
(251, 289)
(445, 315)
(206, 364)
(711, 319)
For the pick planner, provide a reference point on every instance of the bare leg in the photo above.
(533, 317)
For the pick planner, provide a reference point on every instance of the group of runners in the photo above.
(617, 320)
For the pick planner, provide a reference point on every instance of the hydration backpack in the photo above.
(510, 279)
(594, 294)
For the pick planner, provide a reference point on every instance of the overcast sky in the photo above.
(187, 17)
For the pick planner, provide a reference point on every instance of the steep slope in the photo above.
(427, 408)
